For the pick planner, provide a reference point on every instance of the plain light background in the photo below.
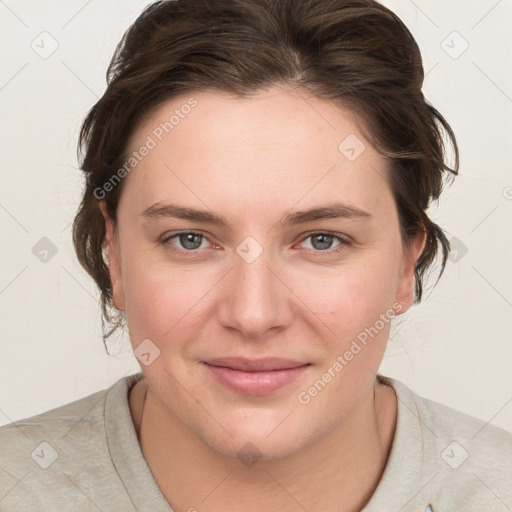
(454, 348)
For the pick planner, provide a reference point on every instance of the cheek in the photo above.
(166, 302)
(355, 309)
(156, 297)
(354, 297)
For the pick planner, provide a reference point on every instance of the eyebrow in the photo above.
(329, 211)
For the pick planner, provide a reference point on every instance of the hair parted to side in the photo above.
(354, 53)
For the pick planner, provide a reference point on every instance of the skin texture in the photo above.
(253, 161)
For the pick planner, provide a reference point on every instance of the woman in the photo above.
(258, 175)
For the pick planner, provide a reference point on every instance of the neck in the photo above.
(338, 473)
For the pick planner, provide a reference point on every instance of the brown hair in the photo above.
(356, 53)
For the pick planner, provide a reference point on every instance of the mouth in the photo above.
(255, 377)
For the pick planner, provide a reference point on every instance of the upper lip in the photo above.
(255, 365)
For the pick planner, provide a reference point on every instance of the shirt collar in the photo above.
(412, 465)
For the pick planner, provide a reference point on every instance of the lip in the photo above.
(255, 377)
(255, 365)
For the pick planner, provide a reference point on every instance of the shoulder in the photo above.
(486, 444)
(465, 463)
(51, 428)
(57, 456)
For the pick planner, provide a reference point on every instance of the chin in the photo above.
(251, 450)
(260, 438)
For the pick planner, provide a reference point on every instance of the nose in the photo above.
(255, 298)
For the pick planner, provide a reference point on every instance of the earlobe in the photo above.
(405, 293)
(114, 260)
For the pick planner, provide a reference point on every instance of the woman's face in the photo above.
(319, 289)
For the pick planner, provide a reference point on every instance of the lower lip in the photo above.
(255, 383)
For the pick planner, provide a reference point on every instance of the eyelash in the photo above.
(341, 238)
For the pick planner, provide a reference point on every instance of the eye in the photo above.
(322, 242)
(189, 241)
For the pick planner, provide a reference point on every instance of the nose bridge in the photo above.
(255, 299)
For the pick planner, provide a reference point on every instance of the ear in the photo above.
(404, 298)
(114, 258)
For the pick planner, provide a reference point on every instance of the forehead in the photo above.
(276, 147)
(273, 118)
